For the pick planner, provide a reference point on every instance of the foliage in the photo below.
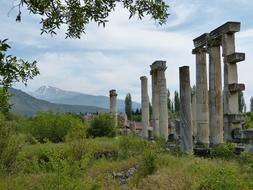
(77, 14)
(224, 151)
(103, 125)
(248, 120)
(176, 102)
(12, 70)
(148, 163)
(4, 101)
(169, 102)
(128, 106)
(54, 126)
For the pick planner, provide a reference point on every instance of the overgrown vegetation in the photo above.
(54, 151)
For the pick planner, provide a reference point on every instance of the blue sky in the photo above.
(116, 56)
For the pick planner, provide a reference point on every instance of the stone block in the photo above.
(201, 40)
(235, 87)
(227, 28)
(235, 58)
(235, 118)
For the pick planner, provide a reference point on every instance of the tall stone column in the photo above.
(232, 119)
(185, 110)
(155, 103)
(215, 94)
(194, 125)
(159, 99)
(113, 105)
(144, 106)
(202, 112)
(163, 103)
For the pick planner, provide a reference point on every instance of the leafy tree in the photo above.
(251, 104)
(12, 70)
(176, 102)
(241, 102)
(128, 106)
(102, 126)
(76, 14)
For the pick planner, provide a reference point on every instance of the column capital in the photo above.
(213, 42)
(113, 93)
(158, 65)
(143, 78)
(199, 50)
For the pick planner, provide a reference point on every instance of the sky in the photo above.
(116, 56)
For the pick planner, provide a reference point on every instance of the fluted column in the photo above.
(215, 94)
(202, 112)
(144, 106)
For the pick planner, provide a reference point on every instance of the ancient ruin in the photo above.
(113, 105)
(159, 99)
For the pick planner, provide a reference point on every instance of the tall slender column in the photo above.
(163, 104)
(144, 106)
(155, 103)
(202, 112)
(215, 94)
(159, 99)
(113, 105)
(194, 125)
(185, 110)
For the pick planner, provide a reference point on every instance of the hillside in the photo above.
(56, 95)
(25, 104)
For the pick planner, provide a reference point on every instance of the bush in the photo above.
(54, 126)
(224, 151)
(102, 126)
(148, 163)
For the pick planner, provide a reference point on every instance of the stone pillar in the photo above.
(155, 103)
(232, 119)
(159, 99)
(194, 126)
(215, 94)
(144, 106)
(185, 110)
(113, 105)
(202, 112)
(163, 104)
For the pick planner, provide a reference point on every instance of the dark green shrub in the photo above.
(224, 151)
(54, 126)
(148, 163)
(102, 125)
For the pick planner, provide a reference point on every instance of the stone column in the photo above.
(155, 103)
(194, 126)
(144, 106)
(215, 94)
(163, 104)
(113, 105)
(159, 99)
(232, 119)
(185, 110)
(202, 112)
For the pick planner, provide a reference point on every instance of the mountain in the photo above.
(56, 95)
(25, 104)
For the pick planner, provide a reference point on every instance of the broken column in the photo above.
(113, 106)
(215, 93)
(144, 106)
(232, 118)
(159, 99)
(202, 112)
(185, 110)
